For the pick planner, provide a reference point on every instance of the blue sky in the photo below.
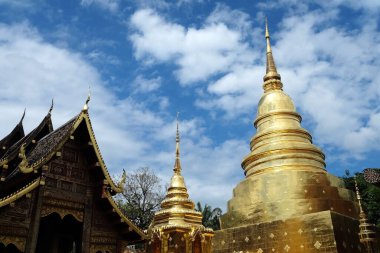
(146, 60)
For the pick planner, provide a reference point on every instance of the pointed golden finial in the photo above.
(85, 107)
(271, 70)
(52, 106)
(267, 37)
(177, 164)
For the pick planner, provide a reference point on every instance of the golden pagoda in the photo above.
(177, 227)
(287, 202)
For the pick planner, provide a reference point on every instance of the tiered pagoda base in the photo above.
(326, 231)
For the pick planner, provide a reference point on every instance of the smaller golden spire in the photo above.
(85, 107)
(366, 234)
(177, 164)
(358, 197)
(271, 70)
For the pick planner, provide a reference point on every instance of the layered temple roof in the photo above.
(10, 159)
(16, 134)
(23, 165)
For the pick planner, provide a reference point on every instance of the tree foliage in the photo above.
(210, 216)
(142, 196)
(370, 196)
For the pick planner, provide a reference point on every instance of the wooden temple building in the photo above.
(177, 227)
(287, 202)
(56, 192)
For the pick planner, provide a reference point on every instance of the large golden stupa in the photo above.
(287, 201)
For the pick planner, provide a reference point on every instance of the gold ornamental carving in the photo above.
(63, 208)
(19, 242)
(24, 164)
(102, 248)
(62, 212)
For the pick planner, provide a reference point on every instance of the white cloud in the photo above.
(110, 5)
(233, 18)
(143, 85)
(199, 53)
(98, 56)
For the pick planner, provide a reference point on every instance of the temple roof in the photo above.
(16, 134)
(33, 159)
(51, 143)
(29, 141)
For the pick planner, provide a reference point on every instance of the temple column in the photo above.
(87, 218)
(31, 241)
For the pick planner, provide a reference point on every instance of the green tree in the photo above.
(210, 216)
(142, 196)
(370, 196)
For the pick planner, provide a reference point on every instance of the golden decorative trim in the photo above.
(291, 152)
(18, 242)
(277, 112)
(280, 132)
(62, 212)
(98, 154)
(24, 164)
(102, 248)
(63, 208)
(21, 192)
(3, 162)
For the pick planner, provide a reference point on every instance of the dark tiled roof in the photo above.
(16, 134)
(13, 151)
(50, 142)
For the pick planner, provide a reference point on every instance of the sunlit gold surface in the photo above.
(177, 227)
(286, 188)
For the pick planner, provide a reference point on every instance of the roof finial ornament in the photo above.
(85, 107)
(52, 106)
(271, 70)
(22, 117)
(177, 164)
